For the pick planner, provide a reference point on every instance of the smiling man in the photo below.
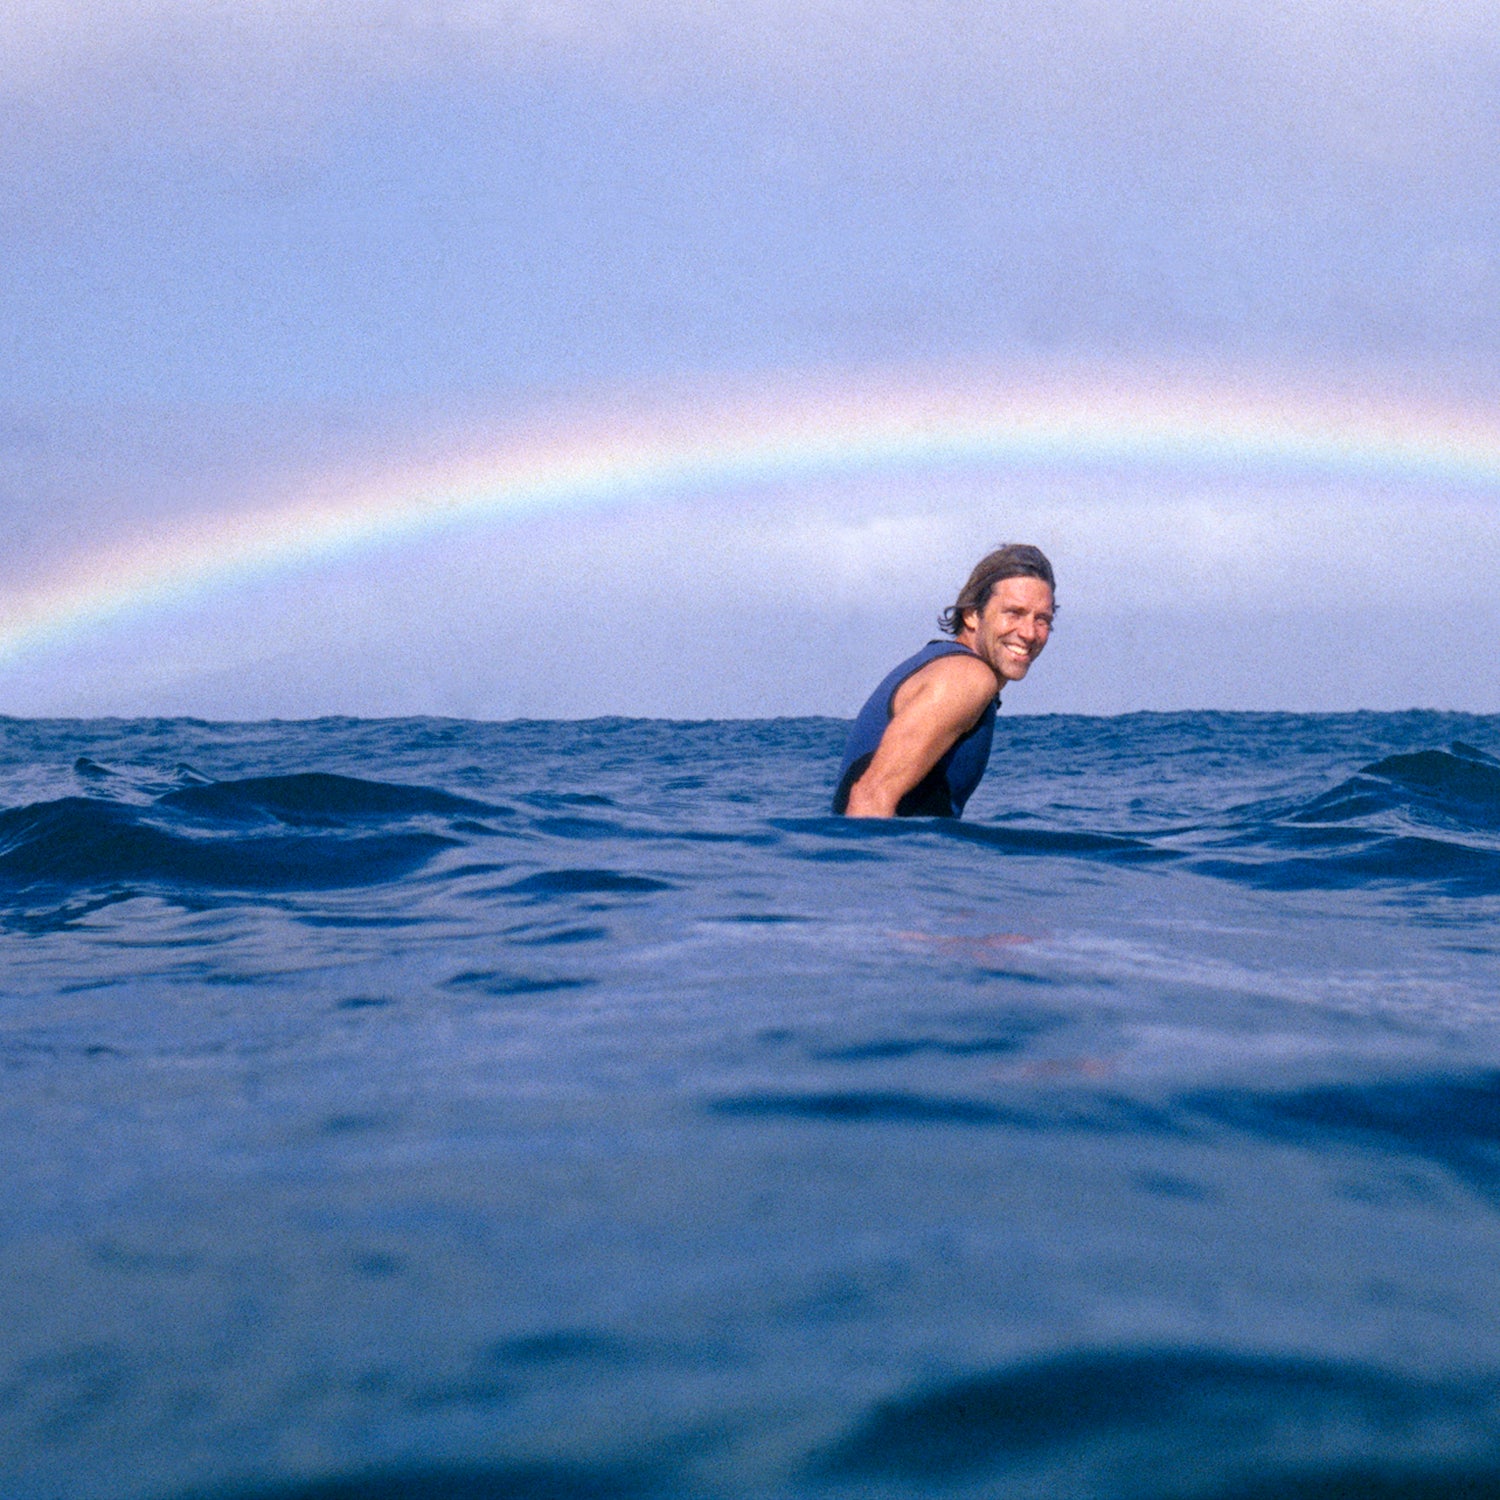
(922, 741)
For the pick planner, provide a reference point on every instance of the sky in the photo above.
(552, 358)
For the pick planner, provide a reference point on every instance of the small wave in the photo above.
(521, 1481)
(964, 1427)
(1039, 841)
(531, 936)
(547, 801)
(1357, 860)
(898, 1108)
(1453, 1122)
(1427, 818)
(1049, 841)
(1368, 1481)
(1424, 818)
(584, 829)
(1450, 1122)
(873, 840)
(504, 982)
(194, 837)
(586, 882)
(319, 798)
(81, 842)
(1460, 785)
(885, 1049)
(1084, 1112)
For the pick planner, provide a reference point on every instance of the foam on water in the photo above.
(440, 1110)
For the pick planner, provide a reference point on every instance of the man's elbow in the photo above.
(870, 801)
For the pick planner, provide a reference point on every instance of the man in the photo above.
(922, 741)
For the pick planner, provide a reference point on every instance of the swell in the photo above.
(304, 831)
(1424, 819)
(319, 799)
(517, 1481)
(311, 831)
(1459, 787)
(1427, 818)
(1215, 1423)
(1450, 1121)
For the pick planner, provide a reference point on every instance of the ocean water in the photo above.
(451, 1110)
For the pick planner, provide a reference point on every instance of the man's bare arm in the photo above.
(933, 709)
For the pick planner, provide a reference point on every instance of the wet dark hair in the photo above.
(1013, 560)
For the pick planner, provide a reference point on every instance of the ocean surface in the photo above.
(453, 1110)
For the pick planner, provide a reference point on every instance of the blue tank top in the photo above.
(942, 792)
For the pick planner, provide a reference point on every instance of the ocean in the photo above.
(437, 1110)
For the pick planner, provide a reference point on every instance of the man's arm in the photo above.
(933, 709)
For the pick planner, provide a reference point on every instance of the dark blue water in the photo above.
(447, 1110)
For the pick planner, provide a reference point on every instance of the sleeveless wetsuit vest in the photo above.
(942, 792)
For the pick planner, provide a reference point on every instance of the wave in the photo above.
(1098, 1403)
(78, 841)
(309, 831)
(1092, 1112)
(320, 799)
(1361, 860)
(571, 882)
(1112, 847)
(1458, 787)
(1448, 1121)
(518, 1481)
(1009, 839)
(1428, 817)
(302, 831)
(863, 1107)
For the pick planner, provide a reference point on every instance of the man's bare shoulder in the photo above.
(960, 678)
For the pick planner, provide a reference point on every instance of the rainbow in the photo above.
(801, 436)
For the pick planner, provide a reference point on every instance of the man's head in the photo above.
(1004, 612)
(1013, 560)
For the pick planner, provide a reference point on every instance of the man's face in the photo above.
(1011, 630)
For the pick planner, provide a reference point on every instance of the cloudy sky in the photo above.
(257, 251)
